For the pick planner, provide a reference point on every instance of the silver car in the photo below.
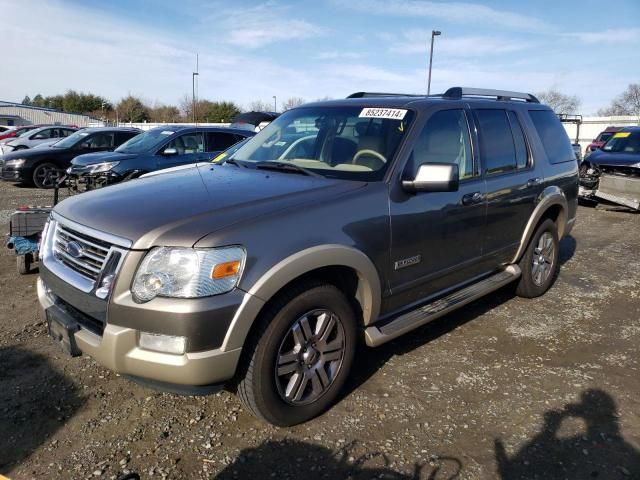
(35, 137)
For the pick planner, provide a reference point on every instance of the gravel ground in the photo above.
(505, 388)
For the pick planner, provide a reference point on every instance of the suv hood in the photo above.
(613, 159)
(100, 157)
(179, 209)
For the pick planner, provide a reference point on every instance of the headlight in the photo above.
(18, 162)
(101, 167)
(187, 272)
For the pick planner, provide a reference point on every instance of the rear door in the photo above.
(512, 182)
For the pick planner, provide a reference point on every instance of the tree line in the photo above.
(627, 103)
(135, 109)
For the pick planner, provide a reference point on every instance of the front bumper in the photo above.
(13, 174)
(117, 349)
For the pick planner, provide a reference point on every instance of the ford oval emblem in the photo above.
(74, 249)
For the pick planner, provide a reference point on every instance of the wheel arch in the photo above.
(552, 204)
(345, 267)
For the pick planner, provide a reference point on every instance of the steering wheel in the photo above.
(369, 152)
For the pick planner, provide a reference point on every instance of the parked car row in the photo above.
(105, 155)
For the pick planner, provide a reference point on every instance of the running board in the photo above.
(375, 336)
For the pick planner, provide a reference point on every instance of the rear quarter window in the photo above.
(553, 136)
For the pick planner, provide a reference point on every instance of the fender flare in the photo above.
(368, 291)
(550, 197)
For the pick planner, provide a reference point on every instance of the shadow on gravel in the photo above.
(568, 247)
(598, 452)
(35, 401)
(367, 365)
(292, 459)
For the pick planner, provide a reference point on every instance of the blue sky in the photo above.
(252, 50)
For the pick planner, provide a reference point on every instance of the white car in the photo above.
(35, 137)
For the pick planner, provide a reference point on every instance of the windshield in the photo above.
(353, 143)
(71, 140)
(145, 141)
(627, 142)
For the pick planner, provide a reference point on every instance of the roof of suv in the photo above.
(395, 100)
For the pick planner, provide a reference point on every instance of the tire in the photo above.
(290, 394)
(40, 175)
(539, 264)
(23, 263)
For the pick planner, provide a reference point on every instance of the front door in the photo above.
(183, 149)
(437, 236)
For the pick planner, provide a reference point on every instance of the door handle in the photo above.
(532, 182)
(471, 198)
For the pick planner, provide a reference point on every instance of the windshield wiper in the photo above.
(287, 167)
(235, 162)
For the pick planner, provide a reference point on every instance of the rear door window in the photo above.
(497, 146)
(553, 136)
(217, 141)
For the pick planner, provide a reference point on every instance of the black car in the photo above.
(41, 166)
(156, 149)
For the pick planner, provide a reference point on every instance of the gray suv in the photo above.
(341, 221)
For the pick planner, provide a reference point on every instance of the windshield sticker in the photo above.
(622, 135)
(390, 113)
(167, 132)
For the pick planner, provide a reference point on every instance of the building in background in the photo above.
(16, 114)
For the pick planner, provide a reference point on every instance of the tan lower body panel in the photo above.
(118, 350)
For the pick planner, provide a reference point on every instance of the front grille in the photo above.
(82, 253)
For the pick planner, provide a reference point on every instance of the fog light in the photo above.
(162, 343)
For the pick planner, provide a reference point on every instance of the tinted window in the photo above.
(522, 157)
(444, 139)
(188, 143)
(217, 141)
(122, 137)
(553, 136)
(496, 141)
(65, 132)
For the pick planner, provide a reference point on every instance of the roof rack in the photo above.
(381, 94)
(456, 93)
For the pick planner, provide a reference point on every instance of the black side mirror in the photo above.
(434, 177)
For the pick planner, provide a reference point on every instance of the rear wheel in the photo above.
(300, 356)
(539, 263)
(45, 175)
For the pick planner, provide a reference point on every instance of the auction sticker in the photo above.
(622, 135)
(390, 113)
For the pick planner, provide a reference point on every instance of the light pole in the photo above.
(275, 108)
(193, 95)
(434, 33)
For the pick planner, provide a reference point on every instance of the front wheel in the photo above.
(300, 356)
(45, 175)
(539, 264)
